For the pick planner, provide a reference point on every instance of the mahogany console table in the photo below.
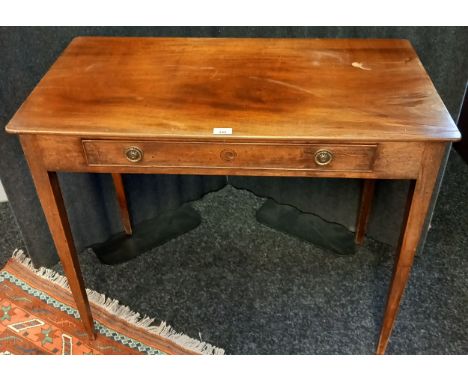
(278, 107)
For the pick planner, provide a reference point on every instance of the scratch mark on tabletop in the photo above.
(89, 67)
(193, 67)
(360, 65)
(282, 83)
(321, 54)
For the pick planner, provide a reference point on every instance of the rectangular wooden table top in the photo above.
(263, 89)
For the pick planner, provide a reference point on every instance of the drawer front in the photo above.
(320, 157)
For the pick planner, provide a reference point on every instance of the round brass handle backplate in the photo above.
(323, 157)
(134, 154)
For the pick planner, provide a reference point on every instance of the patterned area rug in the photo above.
(38, 316)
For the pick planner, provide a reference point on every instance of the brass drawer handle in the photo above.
(323, 157)
(134, 154)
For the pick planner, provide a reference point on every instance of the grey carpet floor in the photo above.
(251, 290)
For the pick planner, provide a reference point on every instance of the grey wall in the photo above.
(27, 53)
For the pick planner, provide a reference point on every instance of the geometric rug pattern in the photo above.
(38, 316)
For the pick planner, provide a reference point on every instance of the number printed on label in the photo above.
(222, 131)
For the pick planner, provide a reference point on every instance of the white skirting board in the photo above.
(3, 197)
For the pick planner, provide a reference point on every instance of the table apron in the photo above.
(387, 160)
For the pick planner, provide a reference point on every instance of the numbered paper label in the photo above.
(222, 131)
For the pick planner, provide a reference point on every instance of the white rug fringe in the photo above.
(122, 311)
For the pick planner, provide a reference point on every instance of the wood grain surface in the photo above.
(392, 160)
(343, 89)
(346, 157)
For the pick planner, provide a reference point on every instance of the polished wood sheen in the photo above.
(259, 107)
(261, 88)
